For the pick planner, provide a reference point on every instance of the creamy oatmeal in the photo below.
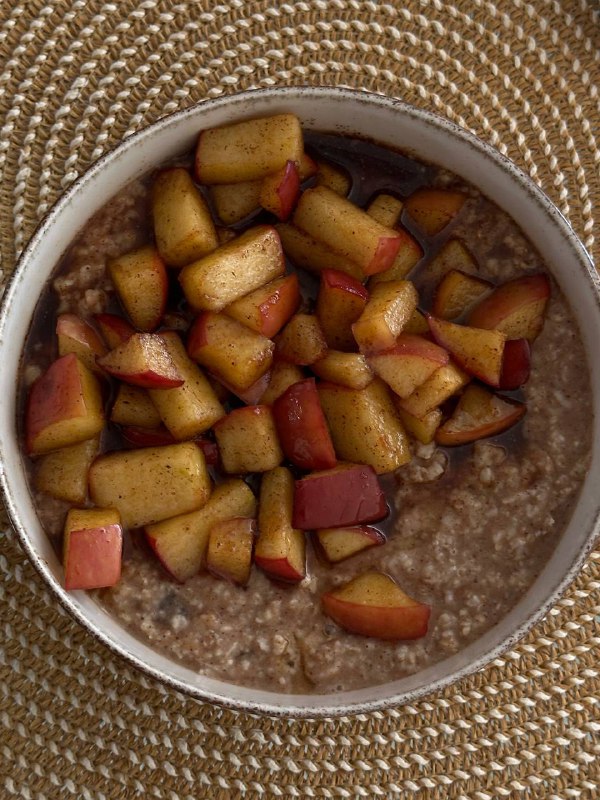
(469, 527)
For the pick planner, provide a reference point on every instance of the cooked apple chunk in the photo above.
(456, 293)
(386, 209)
(266, 310)
(345, 369)
(282, 376)
(64, 407)
(180, 542)
(92, 548)
(516, 364)
(365, 427)
(183, 226)
(390, 307)
(477, 351)
(516, 308)
(233, 352)
(408, 256)
(302, 428)
(346, 229)
(235, 201)
(147, 437)
(453, 255)
(408, 364)
(340, 302)
(313, 256)
(248, 150)
(247, 440)
(281, 548)
(433, 209)
(151, 484)
(140, 278)
(64, 473)
(133, 406)
(422, 428)
(479, 413)
(114, 329)
(339, 544)
(144, 361)
(279, 191)
(229, 552)
(302, 341)
(417, 324)
(374, 605)
(445, 382)
(333, 177)
(233, 269)
(76, 336)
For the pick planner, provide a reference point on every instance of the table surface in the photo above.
(75, 78)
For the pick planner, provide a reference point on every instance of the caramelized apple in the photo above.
(143, 360)
(281, 547)
(516, 308)
(339, 544)
(229, 552)
(479, 414)
(476, 350)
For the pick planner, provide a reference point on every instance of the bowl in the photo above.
(391, 123)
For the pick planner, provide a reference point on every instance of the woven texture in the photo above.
(76, 76)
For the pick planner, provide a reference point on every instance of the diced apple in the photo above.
(281, 548)
(266, 310)
(476, 350)
(279, 191)
(386, 209)
(409, 254)
(151, 484)
(433, 209)
(516, 364)
(147, 437)
(333, 177)
(251, 396)
(390, 307)
(189, 409)
(302, 428)
(365, 427)
(64, 407)
(76, 336)
(348, 494)
(180, 543)
(302, 341)
(64, 473)
(248, 150)
(340, 302)
(92, 548)
(183, 226)
(408, 364)
(516, 308)
(234, 269)
(230, 350)
(422, 428)
(341, 543)
(374, 605)
(283, 375)
(140, 278)
(115, 330)
(248, 440)
(445, 382)
(417, 324)
(307, 167)
(346, 229)
(229, 552)
(133, 406)
(235, 201)
(456, 293)
(453, 255)
(309, 254)
(225, 235)
(345, 369)
(479, 414)
(143, 360)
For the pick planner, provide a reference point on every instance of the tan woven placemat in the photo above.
(75, 77)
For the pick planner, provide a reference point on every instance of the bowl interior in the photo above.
(390, 123)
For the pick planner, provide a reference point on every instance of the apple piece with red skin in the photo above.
(302, 341)
(248, 440)
(281, 547)
(302, 428)
(516, 307)
(478, 351)
(250, 396)
(282, 376)
(408, 364)
(279, 192)
(133, 406)
(229, 552)
(340, 302)
(64, 407)
(140, 278)
(143, 360)
(92, 548)
(373, 604)
(63, 474)
(76, 336)
(210, 450)
(516, 364)
(348, 494)
(432, 209)
(479, 414)
(267, 309)
(390, 307)
(457, 292)
(339, 544)
(147, 437)
(114, 329)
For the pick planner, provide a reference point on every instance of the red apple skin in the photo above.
(302, 428)
(146, 437)
(280, 307)
(144, 361)
(334, 279)
(114, 329)
(93, 559)
(392, 624)
(210, 450)
(72, 327)
(509, 298)
(250, 396)
(282, 196)
(516, 364)
(279, 569)
(372, 538)
(386, 252)
(338, 497)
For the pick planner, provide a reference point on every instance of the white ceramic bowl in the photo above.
(391, 123)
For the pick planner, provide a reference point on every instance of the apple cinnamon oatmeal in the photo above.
(321, 418)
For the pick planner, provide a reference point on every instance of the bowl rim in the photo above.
(264, 708)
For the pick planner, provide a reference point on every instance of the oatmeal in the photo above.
(469, 527)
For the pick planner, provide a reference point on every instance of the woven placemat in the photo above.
(76, 76)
